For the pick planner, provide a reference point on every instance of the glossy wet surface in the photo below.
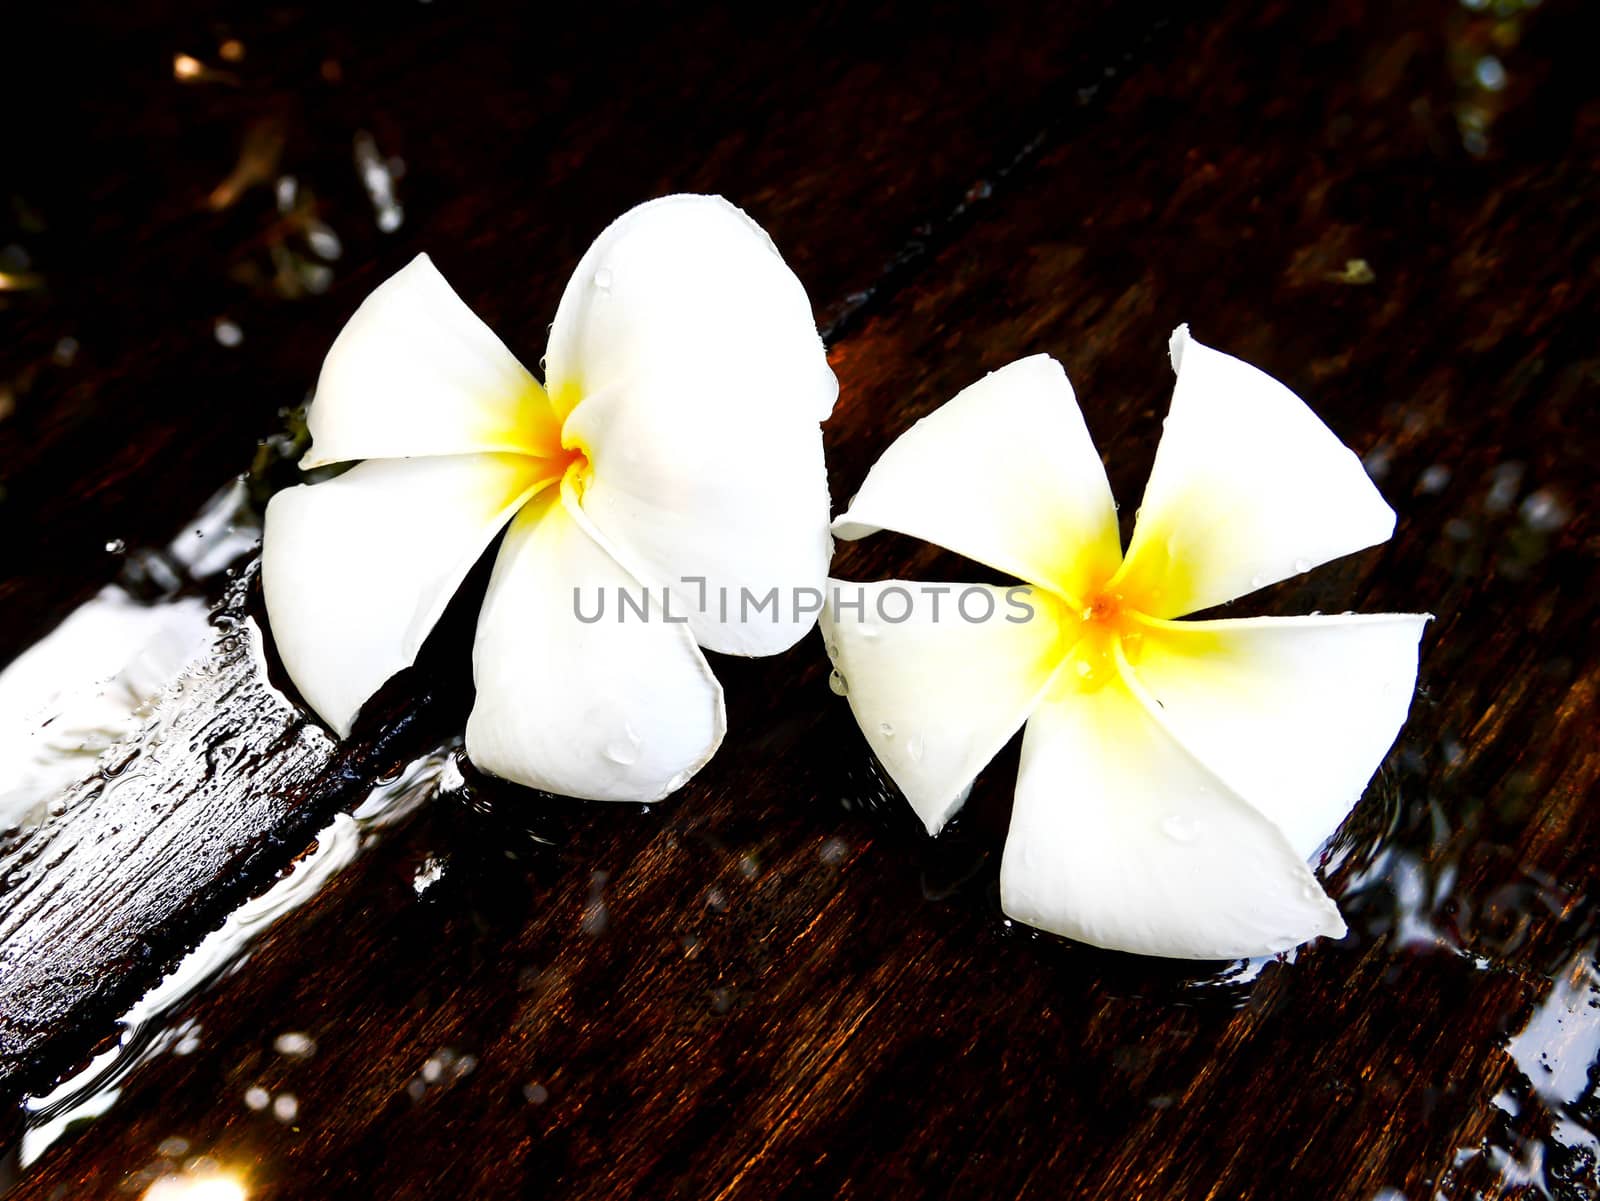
(775, 983)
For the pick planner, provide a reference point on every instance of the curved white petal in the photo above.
(621, 708)
(1295, 713)
(686, 353)
(1249, 487)
(1004, 473)
(938, 693)
(731, 512)
(416, 372)
(356, 570)
(1120, 838)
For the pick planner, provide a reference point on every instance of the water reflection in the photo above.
(203, 1185)
(94, 680)
(146, 1029)
(1558, 1047)
(1488, 32)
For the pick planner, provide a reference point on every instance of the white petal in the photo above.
(731, 512)
(1295, 713)
(1249, 487)
(622, 708)
(686, 351)
(415, 372)
(938, 694)
(1120, 838)
(357, 570)
(1004, 473)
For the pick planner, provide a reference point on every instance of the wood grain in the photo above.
(776, 985)
(215, 793)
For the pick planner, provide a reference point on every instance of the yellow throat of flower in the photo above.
(1104, 622)
(557, 442)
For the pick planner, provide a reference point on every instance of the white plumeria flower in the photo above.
(1175, 775)
(674, 449)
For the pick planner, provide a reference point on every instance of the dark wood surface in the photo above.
(775, 984)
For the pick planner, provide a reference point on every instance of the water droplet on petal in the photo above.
(914, 747)
(837, 683)
(1301, 566)
(602, 279)
(886, 729)
(1133, 646)
(1258, 581)
(623, 750)
(1180, 827)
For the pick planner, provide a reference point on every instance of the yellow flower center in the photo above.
(551, 439)
(1106, 620)
(577, 469)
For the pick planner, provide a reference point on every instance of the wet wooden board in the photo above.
(757, 990)
(924, 128)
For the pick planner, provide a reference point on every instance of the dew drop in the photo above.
(1180, 828)
(1544, 512)
(837, 683)
(1258, 581)
(1434, 480)
(295, 1045)
(886, 729)
(915, 747)
(1301, 566)
(1133, 646)
(602, 279)
(623, 750)
(116, 546)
